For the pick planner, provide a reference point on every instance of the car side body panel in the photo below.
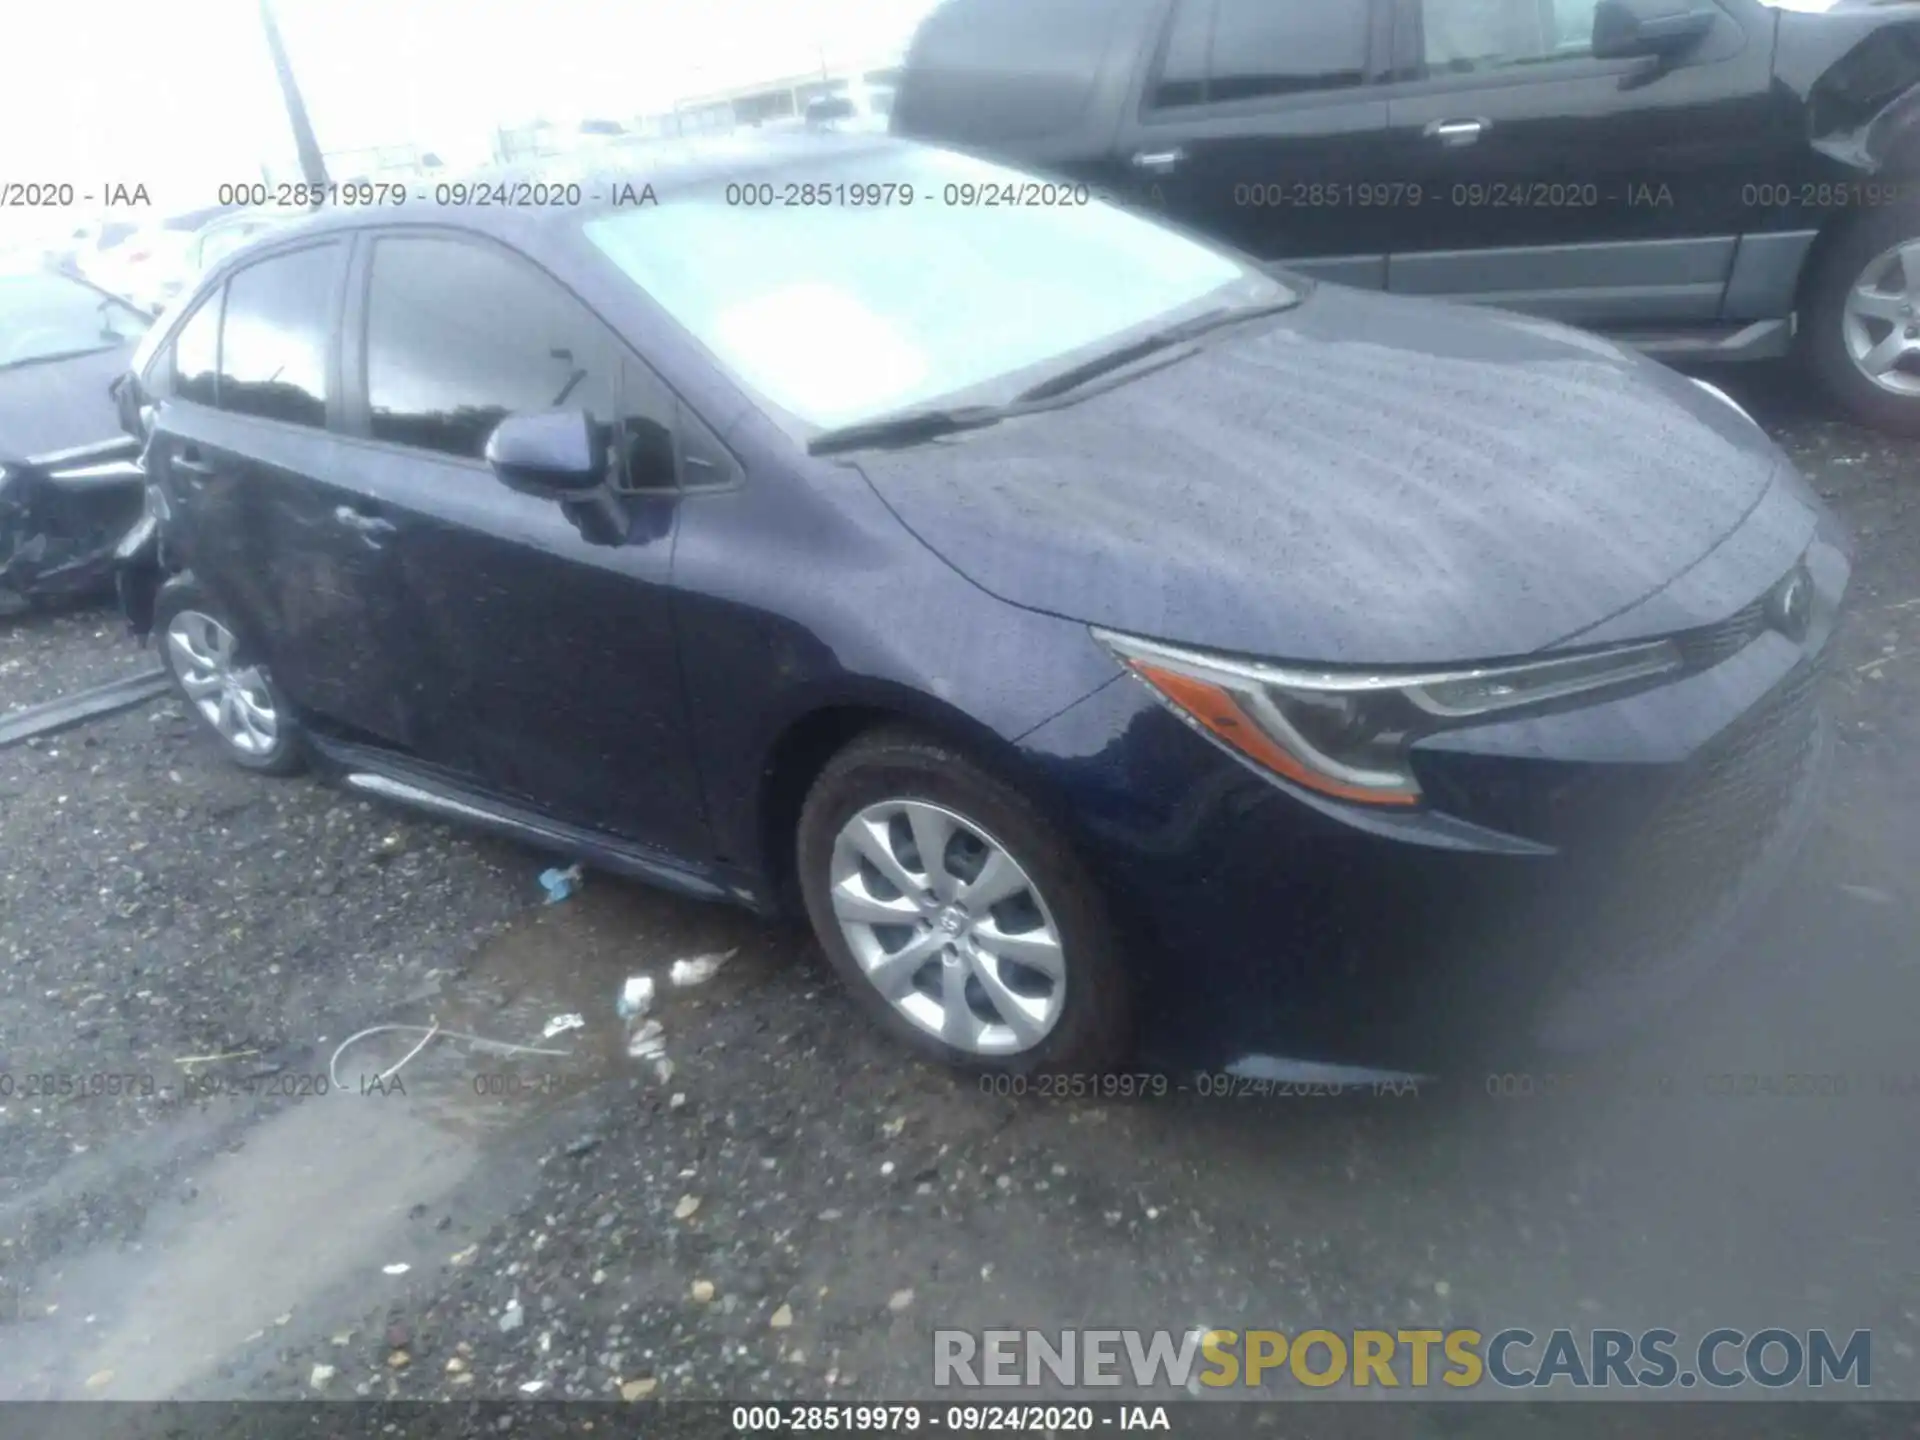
(1655, 203)
(775, 583)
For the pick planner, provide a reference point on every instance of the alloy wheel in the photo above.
(1881, 319)
(948, 927)
(234, 697)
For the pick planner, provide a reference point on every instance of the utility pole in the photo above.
(312, 164)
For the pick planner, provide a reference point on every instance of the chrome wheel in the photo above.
(948, 927)
(1881, 321)
(233, 697)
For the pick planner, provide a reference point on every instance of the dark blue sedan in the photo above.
(1104, 641)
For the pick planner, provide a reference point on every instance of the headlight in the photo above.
(1725, 399)
(1346, 733)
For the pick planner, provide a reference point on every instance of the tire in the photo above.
(1857, 253)
(900, 778)
(221, 684)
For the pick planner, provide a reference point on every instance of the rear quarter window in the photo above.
(982, 71)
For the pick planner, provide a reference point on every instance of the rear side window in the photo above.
(1472, 35)
(273, 341)
(1223, 50)
(196, 354)
(996, 70)
(460, 336)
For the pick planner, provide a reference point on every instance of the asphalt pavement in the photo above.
(199, 1198)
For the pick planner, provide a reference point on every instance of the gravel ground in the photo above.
(786, 1206)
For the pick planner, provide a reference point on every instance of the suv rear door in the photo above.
(1258, 121)
(1602, 192)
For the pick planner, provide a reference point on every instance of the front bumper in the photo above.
(1650, 832)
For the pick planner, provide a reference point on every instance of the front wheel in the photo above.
(957, 914)
(1862, 320)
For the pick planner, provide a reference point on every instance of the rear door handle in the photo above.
(187, 458)
(1456, 132)
(370, 528)
(1158, 162)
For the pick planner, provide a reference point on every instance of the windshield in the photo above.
(906, 283)
(44, 314)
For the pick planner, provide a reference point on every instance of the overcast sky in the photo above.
(180, 96)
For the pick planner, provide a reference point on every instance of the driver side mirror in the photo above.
(1631, 29)
(560, 455)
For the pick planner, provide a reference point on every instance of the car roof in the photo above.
(600, 172)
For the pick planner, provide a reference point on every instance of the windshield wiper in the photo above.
(911, 427)
(1136, 350)
(908, 427)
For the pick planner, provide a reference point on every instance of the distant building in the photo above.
(369, 162)
(777, 98)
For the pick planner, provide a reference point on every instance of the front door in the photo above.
(1600, 192)
(545, 666)
(1256, 121)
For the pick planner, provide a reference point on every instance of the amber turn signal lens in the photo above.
(1217, 711)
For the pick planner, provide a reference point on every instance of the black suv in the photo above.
(1714, 179)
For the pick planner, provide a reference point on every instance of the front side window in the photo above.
(838, 313)
(45, 315)
(1224, 50)
(273, 343)
(1466, 36)
(459, 336)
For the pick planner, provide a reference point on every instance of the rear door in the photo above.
(271, 511)
(544, 667)
(1602, 192)
(1258, 121)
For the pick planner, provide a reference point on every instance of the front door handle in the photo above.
(370, 528)
(1158, 162)
(1456, 132)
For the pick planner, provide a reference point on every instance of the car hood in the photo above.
(1365, 479)
(52, 405)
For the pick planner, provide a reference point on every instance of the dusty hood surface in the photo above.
(53, 405)
(1362, 479)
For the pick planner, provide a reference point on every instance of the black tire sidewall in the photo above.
(1823, 341)
(288, 755)
(1094, 1032)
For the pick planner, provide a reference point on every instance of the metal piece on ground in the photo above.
(71, 710)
